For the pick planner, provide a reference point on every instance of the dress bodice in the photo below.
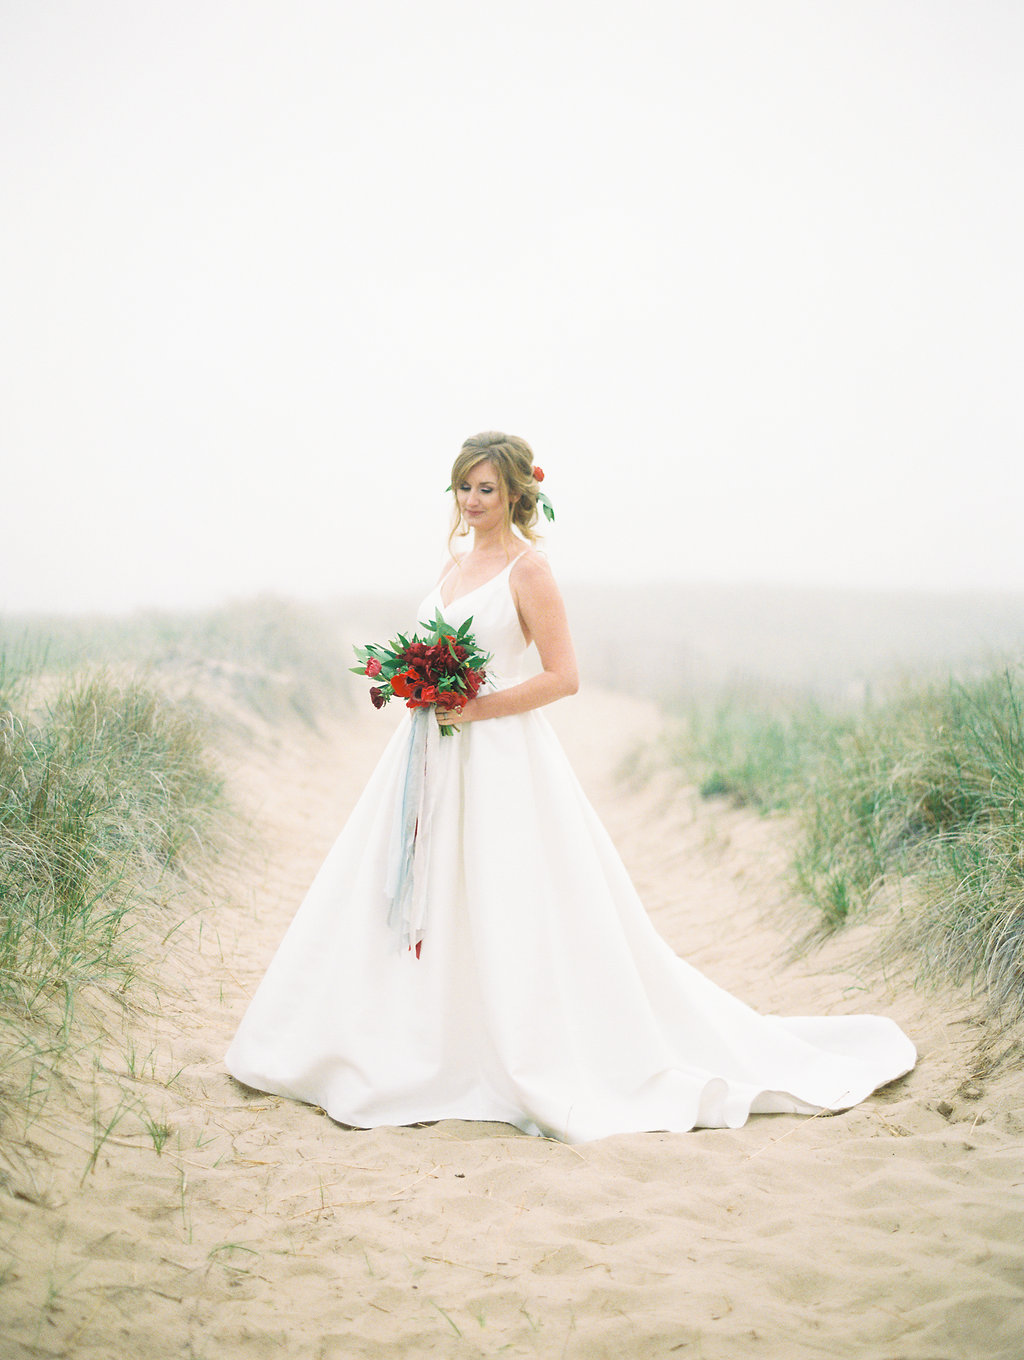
(495, 625)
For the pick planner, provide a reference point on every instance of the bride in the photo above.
(533, 989)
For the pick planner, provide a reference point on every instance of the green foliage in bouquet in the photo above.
(445, 666)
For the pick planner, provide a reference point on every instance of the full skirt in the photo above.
(542, 995)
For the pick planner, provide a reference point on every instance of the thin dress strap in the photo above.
(505, 571)
(508, 567)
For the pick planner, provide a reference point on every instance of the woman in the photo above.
(533, 989)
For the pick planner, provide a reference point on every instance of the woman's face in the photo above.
(481, 497)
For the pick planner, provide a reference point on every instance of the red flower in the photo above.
(402, 683)
(538, 474)
(448, 698)
(377, 696)
(372, 667)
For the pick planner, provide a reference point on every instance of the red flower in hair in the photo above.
(538, 474)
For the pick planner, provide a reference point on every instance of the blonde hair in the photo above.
(512, 459)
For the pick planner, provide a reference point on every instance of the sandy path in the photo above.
(261, 1228)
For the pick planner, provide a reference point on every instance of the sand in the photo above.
(261, 1228)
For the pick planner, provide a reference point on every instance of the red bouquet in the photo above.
(445, 668)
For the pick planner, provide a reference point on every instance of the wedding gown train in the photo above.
(542, 997)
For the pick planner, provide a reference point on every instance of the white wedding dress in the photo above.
(542, 997)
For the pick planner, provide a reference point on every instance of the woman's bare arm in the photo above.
(542, 613)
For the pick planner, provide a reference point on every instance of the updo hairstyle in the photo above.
(512, 459)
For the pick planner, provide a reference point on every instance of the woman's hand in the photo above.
(454, 717)
(447, 717)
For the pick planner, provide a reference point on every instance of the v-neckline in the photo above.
(466, 594)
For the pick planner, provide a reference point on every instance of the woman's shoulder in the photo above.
(449, 564)
(532, 571)
(530, 562)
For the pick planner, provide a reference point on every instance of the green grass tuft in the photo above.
(104, 792)
(925, 790)
(752, 752)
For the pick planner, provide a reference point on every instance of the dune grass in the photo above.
(921, 794)
(106, 791)
(108, 782)
(114, 735)
(111, 797)
(273, 657)
(752, 750)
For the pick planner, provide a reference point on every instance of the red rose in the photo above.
(377, 696)
(448, 698)
(372, 667)
(538, 474)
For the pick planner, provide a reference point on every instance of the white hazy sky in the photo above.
(747, 274)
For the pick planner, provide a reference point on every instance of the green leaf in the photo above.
(546, 506)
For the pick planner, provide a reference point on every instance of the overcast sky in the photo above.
(746, 273)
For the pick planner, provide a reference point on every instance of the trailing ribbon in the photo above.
(409, 848)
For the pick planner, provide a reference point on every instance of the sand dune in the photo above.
(260, 1228)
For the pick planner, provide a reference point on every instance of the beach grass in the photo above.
(274, 657)
(107, 791)
(112, 806)
(754, 748)
(916, 799)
